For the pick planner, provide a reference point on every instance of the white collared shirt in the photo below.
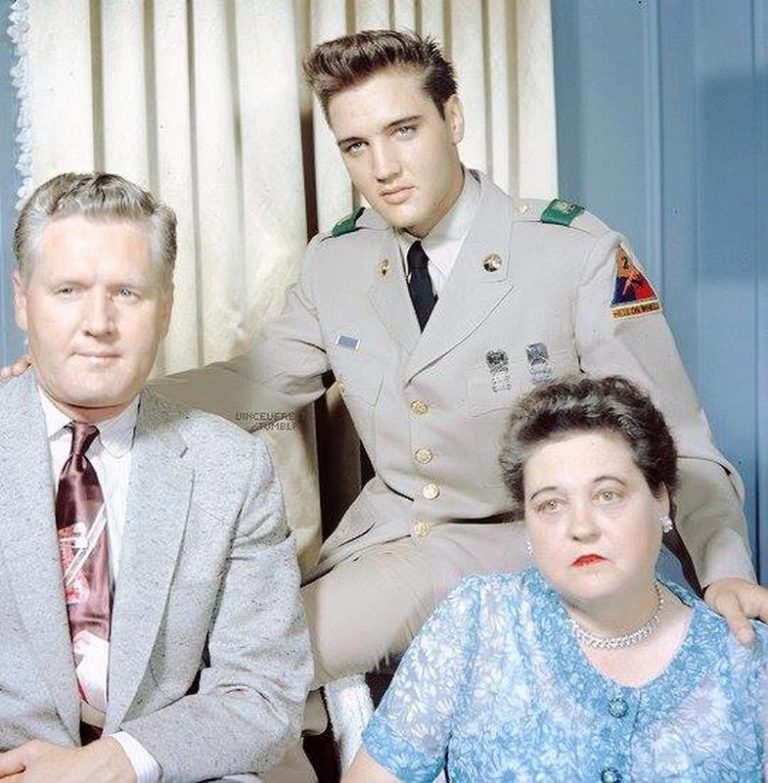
(443, 243)
(110, 455)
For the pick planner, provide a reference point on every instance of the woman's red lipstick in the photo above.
(586, 560)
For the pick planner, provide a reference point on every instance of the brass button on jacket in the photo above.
(421, 528)
(424, 456)
(430, 491)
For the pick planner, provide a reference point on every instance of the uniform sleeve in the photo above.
(279, 374)
(615, 337)
(409, 732)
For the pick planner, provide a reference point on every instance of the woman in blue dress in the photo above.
(587, 667)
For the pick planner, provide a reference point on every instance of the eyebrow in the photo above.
(543, 489)
(403, 121)
(390, 126)
(72, 282)
(596, 480)
(610, 477)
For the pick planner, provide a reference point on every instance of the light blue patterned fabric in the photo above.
(496, 688)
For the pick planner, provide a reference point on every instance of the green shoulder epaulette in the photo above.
(348, 224)
(561, 212)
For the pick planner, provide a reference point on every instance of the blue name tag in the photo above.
(350, 343)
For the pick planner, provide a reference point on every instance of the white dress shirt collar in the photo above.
(443, 243)
(115, 434)
(456, 224)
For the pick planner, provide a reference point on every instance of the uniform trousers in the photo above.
(366, 610)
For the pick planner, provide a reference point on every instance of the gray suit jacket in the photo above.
(428, 407)
(209, 654)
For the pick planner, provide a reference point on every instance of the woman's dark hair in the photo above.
(584, 404)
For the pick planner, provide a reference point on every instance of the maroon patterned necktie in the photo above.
(85, 565)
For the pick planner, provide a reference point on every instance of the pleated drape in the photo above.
(203, 102)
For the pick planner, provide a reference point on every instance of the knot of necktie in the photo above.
(82, 436)
(417, 258)
(79, 495)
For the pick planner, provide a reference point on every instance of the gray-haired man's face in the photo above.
(95, 312)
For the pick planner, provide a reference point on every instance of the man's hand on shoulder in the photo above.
(19, 367)
(44, 762)
(738, 600)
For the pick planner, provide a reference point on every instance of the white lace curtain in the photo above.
(202, 101)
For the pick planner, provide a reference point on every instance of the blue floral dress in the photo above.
(496, 688)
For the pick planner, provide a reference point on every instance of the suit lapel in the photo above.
(480, 279)
(389, 295)
(158, 505)
(29, 545)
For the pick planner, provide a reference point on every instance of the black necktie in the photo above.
(419, 284)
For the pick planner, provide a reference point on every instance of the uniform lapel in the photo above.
(158, 505)
(388, 292)
(479, 281)
(29, 545)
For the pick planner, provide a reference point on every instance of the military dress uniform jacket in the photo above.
(526, 300)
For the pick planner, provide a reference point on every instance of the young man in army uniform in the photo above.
(435, 308)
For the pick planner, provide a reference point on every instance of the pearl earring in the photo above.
(666, 523)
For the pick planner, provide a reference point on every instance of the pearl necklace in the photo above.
(626, 639)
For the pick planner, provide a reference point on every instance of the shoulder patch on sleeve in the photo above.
(632, 293)
(561, 212)
(348, 224)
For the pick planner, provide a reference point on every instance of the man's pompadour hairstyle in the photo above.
(336, 65)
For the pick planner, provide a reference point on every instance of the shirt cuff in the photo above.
(143, 762)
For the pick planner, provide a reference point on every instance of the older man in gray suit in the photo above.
(150, 615)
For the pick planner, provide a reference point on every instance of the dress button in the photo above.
(421, 528)
(424, 456)
(430, 491)
(618, 707)
(419, 407)
(610, 775)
